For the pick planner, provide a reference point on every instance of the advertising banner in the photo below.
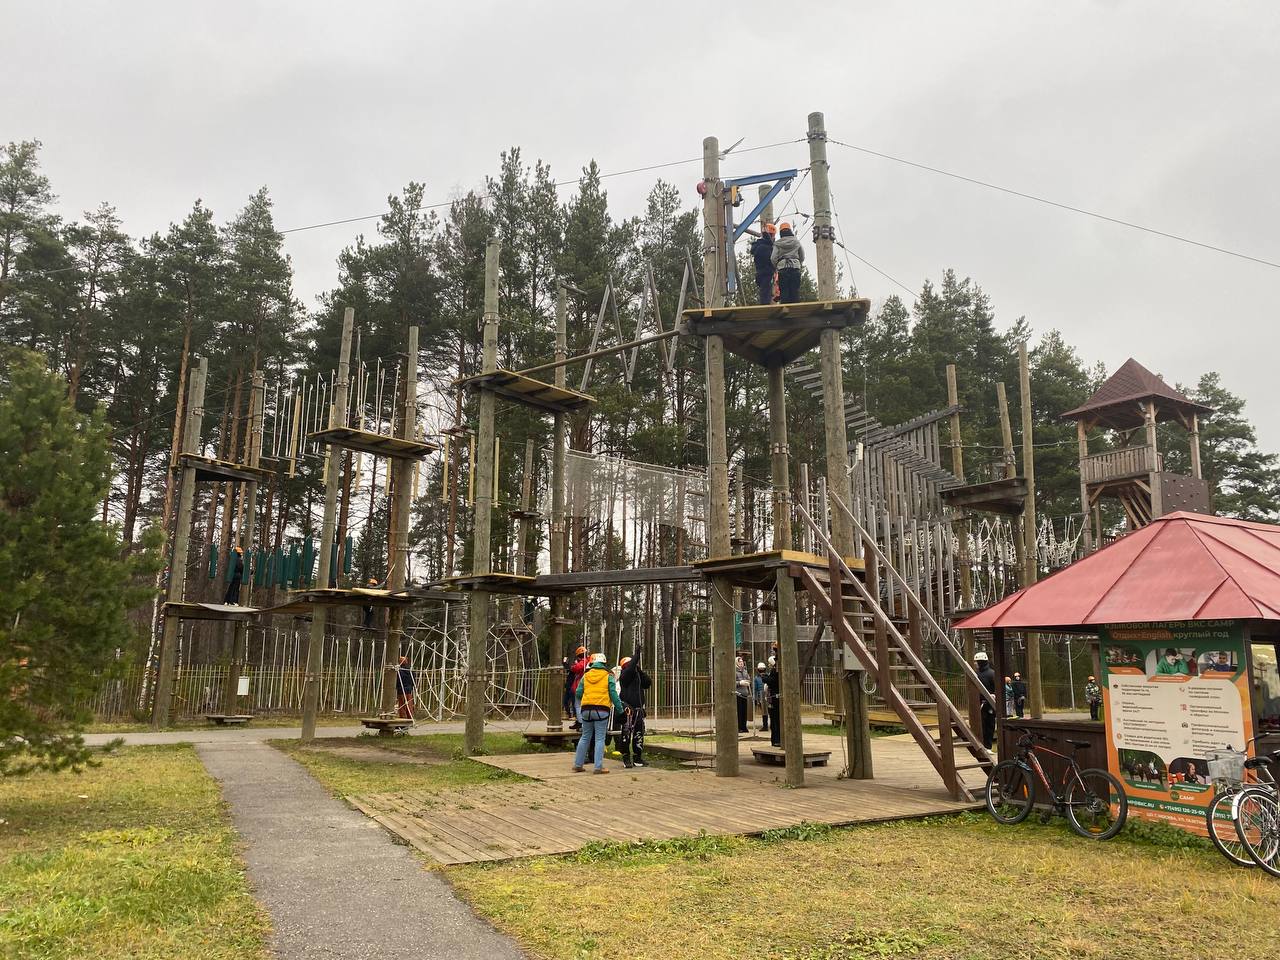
(1173, 694)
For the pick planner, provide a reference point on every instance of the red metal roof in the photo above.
(1184, 566)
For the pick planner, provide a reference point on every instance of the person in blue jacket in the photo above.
(762, 254)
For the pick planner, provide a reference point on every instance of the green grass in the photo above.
(935, 889)
(120, 726)
(132, 859)
(348, 776)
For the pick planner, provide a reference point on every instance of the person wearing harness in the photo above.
(597, 698)
(762, 254)
(987, 677)
(632, 683)
(574, 678)
(787, 256)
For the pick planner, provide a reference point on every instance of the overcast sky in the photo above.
(1162, 113)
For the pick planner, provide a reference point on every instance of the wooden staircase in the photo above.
(852, 606)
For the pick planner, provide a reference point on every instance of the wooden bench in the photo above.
(553, 738)
(837, 719)
(386, 726)
(776, 755)
(222, 720)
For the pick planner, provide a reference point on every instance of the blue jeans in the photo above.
(592, 728)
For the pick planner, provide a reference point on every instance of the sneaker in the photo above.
(578, 769)
(600, 770)
(639, 763)
(628, 764)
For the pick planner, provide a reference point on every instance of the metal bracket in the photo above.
(823, 232)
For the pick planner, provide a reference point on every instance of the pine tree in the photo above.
(67, 587)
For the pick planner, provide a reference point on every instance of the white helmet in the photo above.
(773, 661)
(759, 666)
(980, 657)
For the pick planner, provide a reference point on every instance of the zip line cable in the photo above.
(1055, 203)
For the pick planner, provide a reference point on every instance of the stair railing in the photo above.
(942, 635)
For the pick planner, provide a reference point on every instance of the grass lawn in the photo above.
(947, 888)
(121, 726)
(133, 859)
(430, 762)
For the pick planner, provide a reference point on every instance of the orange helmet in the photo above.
(580, 651)
(624, 661)
(769, 228)
(784, 226)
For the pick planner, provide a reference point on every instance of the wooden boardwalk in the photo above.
(558, 811)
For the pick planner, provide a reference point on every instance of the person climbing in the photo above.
(987, 677)
(1093, 696)
(597, 698)
(632, 683)
(236, 572)
(787, 256)
(762, 254)
(761, 695)
(405, 686)
(741, 691)
(576, 670)
(773, 688)
(1019, 694)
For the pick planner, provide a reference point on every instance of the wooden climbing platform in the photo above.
(757, 571)
(777, 333)
(220, 471)
(526, 390)
(508, 583)
(557, 811)
(208, 611)
(378, 444)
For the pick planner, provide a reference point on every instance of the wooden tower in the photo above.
(1130, 404)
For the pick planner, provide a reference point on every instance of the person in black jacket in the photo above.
(236, 572)
(632, 683)
(987, 677)
(1019, 694)
(773, 688)
(762, 254)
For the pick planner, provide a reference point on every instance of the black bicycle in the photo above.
(1092, 800)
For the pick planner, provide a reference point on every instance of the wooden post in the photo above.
(973, 698)
(163, 704)
(722, 654)
(398, 546)
(1157, 499)
(1035, 696)
(789, 655)
(332, 471)
(555, 654)
(1011, 469)
(1194, 446)
(1082, 437)
(478, 628)
(240, 635)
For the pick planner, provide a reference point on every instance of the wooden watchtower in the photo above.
(1130, 404)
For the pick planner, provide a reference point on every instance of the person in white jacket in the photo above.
(787, 256)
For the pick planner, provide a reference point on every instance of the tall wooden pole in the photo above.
(163, 703)
(401, 506)
(960, 529)
(1010, 470)
(240, 635)
(1035, 695)
(713, 278)
(1082, 439)
(858, 731)
(555, 653)
(1157, 499)
(1194, 445)
(332, 472)
(478, 627)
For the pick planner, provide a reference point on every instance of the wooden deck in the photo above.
(557, 811)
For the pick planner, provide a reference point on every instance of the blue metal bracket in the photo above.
(762, 178)
(767, 199)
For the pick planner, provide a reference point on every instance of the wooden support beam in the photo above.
(332, 471)
(240, 632)
(1035, 695)
(555, 652)
(398, 542)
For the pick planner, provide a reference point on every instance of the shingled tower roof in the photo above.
(1117, 403)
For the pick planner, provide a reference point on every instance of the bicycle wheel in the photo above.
(1096, 805)
(1222, 830)
(1009, 793)
(1257, 817)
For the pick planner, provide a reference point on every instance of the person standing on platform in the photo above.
(741, 690)
(760, 693)
(762, 254)
(368, 608)
(1008, 696)
(236, 563)
(597, 698)
(632, 683)
(787, 256)
(987, 677)
(773, 689)
(1019, 694)
(405, 686)
(1093, 696)
(576, 670)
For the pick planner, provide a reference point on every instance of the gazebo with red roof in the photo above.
(1131, 400)
(1180, 568)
